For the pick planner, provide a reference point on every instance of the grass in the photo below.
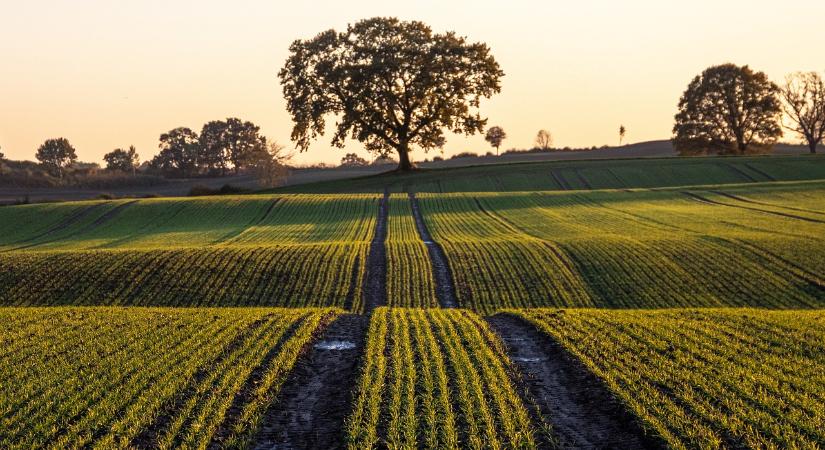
(583, 174)
(435, 379)
(115, 377)
(731, 378)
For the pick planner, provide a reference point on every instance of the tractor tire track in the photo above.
(66, 223)
(755, 202)
(316, 397)
(702, 199)
(234, 235)
(374, 292)
(581, 410)
(444, 284)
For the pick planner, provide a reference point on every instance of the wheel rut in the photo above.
(374, 291)
(581, 410)
(315, 399)
(444, 285)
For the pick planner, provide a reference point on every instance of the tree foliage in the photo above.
(122, 160)
(353, 160)
(55, 155)
(495, 136)
(622, 132)
(728, 109)
(179, 151)
(391, 84)
(544, 140)
(229, 143)
(803, 96)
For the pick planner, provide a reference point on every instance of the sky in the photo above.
(107, 74)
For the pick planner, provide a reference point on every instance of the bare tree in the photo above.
(803, 96)
(495, 136)
(544, 140)
(622, 132)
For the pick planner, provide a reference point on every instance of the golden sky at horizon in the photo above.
(108, 74)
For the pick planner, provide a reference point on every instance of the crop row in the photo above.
(435, 379)
(292, 275)
(193, 222)
(117, 378)
(409, 273)
(706, 378)
(636, 249)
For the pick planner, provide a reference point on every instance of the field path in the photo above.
(582, 412)
(444, 286)
(316, 397)
(374, 292)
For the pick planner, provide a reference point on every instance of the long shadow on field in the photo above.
(579, 407)
(315, 399)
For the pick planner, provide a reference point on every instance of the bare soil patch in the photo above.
(444, 285)
(581, 410)
(374, 292)
(315, 399)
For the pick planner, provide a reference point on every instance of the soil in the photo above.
(581, 410)
(374, 292)
(444, 285)
(316, 397)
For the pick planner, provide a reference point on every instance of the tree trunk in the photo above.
(404, 163)
(812, 146)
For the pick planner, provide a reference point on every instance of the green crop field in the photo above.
(619, 299)
(115, 377)
(436, 379)
(736, 378)
(229, 251)
(709, 246)
(585, 175)
(723, 245)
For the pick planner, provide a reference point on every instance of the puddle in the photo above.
(528, 360)
(429, 242)
(335, 345)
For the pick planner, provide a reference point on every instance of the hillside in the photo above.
(583, 175)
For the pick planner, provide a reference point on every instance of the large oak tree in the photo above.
(728, 110)
(391, 85)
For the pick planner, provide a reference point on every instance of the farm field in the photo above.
(436, 379)
(637, 248)
(231, 251)
(145, 377)
(584, 174)
(735, 378)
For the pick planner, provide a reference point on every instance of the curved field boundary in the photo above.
(444, 285)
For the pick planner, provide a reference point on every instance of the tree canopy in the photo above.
(391, 84)
(728, 109)
(544, 140)
(179, 151)
(122, 160)
(56, 154)
(495, 136)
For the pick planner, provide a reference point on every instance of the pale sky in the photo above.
(112, 73)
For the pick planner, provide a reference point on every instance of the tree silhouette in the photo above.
(728, 110)
(179, 151)
(622, 132)
(391, 84)
(122, 160)
(803, 96)
(55, 155)
(544, 140)
(495, 136)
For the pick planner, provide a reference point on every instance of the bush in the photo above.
(200, 190)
